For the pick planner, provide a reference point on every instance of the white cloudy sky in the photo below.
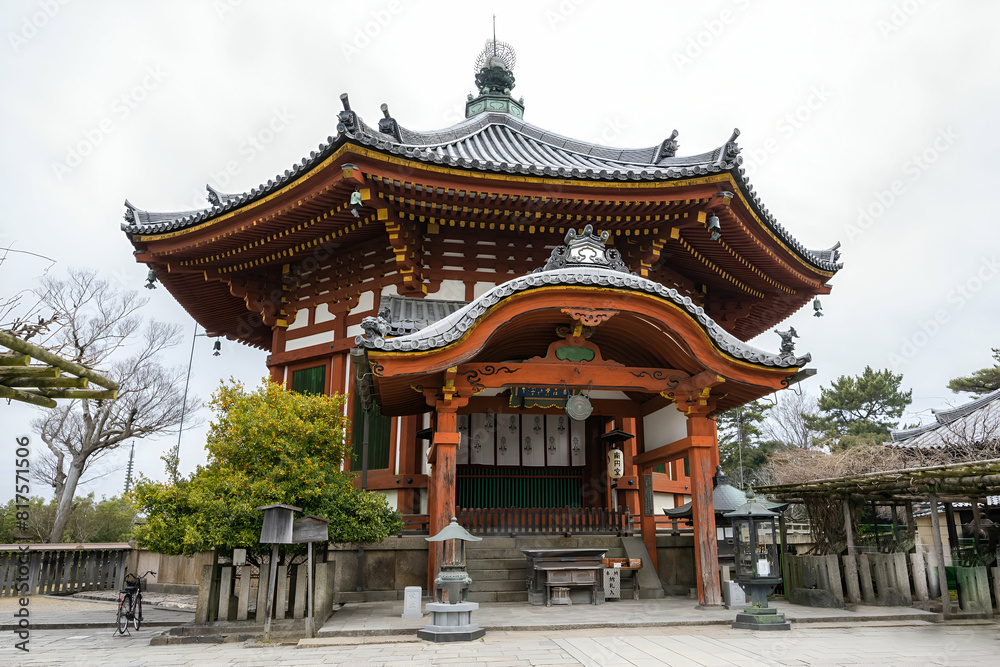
(846, 107)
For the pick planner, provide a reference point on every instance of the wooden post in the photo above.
(848, 527)
(783, 551)
(647, 520)
(895, 520)
(939, 552)
(702, 432)
(977, 521)
(911, 523)
(630, 494)
(949, 517)
(444, 457)
(310, 626)
(271, 580)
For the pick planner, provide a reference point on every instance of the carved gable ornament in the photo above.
(583, 250)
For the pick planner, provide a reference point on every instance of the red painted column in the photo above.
(631, 493)
(441, 485)
(704, 442)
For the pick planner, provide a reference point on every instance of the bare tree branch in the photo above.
(102, 329)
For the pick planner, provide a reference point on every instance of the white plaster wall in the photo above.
(664, 426)
(354, 330)
(662, 501)
(480, 289)
(451, 290)
(301, 320)
(306, 341)
(390, 290)
(323, 313)
(365, 302)
(391, 498)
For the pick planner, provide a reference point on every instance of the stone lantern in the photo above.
(451, 621)
(757, 568)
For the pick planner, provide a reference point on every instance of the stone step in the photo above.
(498, 575)
(498, 596)
(478, 554)
(495, 564)
(497, 585)
(484, 596)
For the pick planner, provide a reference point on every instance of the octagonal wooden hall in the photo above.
(644, 359)
(484, 305)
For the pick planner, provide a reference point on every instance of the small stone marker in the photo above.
(411, 602)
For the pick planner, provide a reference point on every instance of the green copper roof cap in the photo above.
(495, 80)
(752, 509)
(453, 531)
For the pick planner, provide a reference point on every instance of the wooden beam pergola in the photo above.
(40, 385)
(950, 482)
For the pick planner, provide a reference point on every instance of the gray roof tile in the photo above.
(501, 143)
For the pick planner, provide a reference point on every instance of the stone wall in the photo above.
(174, 574)
(675, 561)
(389, 567)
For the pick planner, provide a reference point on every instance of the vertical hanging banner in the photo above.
(557, 440)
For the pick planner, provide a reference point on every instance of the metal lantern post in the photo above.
(757, 567)
(616, 460)
(451, 621)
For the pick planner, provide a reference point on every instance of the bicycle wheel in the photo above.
(124, 609)
(137, 611)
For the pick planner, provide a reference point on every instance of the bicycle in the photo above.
(130, 603)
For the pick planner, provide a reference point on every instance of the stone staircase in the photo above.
(497, 566)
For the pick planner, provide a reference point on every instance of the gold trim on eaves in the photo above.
(486, 176)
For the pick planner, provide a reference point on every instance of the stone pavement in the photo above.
(919, 643)
(53, 613)
(383, 618)
(168, 600)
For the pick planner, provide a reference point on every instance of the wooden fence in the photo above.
(61, 569)
(547, 521)
(239, 593)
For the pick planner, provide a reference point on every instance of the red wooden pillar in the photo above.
(409, 498)
(704, 450)
(631, 493)
(441, 485)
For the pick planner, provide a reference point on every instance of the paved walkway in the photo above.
(384, 618)
(54, 613)
(955, 645)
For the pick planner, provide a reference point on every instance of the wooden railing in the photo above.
(415, 524)
(61, 569)
(546, 521)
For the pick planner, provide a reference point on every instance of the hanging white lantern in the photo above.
(616, 464)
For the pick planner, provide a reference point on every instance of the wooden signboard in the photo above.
(310, 529)
(277, 527)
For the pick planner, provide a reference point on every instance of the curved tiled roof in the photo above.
(501, 143)
(975, 419)
(453, 327)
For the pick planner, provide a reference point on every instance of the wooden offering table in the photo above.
(547, 568)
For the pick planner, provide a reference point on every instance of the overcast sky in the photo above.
(869, 123)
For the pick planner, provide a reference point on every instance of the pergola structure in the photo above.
(957, 482)
(443, 254)
(55, 377)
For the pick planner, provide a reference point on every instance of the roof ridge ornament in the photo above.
(585, 249)
(494, 80)
(787, 344)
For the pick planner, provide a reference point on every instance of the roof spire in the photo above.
(495, 79)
